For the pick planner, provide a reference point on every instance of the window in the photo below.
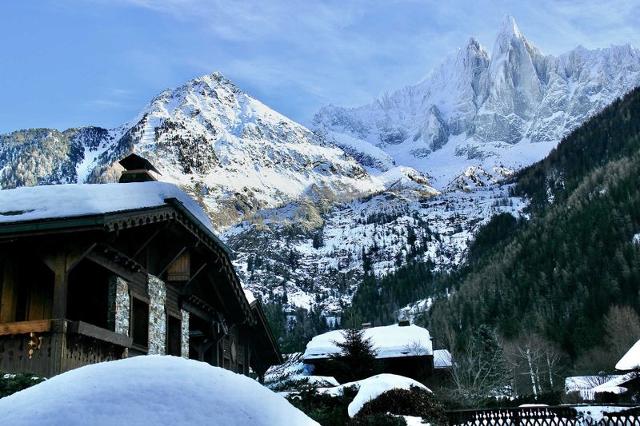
(140, 322)
(174, 336)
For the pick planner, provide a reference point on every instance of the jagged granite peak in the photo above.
(504, 109)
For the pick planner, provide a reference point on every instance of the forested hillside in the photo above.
(561, 272)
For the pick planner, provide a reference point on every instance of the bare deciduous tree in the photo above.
(479, 371)
(537, 359)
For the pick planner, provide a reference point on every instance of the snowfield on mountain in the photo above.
(503, 109)
(149, 390)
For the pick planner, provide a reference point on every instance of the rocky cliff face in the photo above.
(504, 109)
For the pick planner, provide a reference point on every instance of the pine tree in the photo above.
(357, 356)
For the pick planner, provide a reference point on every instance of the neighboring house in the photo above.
(91, 273)
(442, 359)
(623, 385)
(402, 349)
(584, 386)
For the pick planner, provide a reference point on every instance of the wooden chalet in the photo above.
(91, 273)
(403, 349)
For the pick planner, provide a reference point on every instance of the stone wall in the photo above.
(119, 305)
(185, 334)
(157, 316)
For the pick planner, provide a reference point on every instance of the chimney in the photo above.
(366, 325)
(137, 169)
(404, 323)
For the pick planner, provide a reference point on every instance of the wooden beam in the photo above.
(25, 327)
(90, 330)
(116, 268)
(148, 241)
(185, 288)
(163, 270)
(79, 255)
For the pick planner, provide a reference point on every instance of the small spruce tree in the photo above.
(357, 357)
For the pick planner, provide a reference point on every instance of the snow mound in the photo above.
(372, 387)
(630, 360)
(149, 390)
(389, 341)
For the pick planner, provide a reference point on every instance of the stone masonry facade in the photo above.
(157, 316)
(119, 305)
(184, 349)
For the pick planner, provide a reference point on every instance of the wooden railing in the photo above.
(24, 327)
(544, 416)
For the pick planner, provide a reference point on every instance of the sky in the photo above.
(69, 63)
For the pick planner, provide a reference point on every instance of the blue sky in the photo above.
(68, 63)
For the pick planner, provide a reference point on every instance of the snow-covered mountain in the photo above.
(306, 210)
(226, 148)
(481, 112)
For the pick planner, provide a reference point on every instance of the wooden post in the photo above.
(61, 262)
(58, 264)
(7, 293)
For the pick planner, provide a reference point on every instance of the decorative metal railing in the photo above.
(547, 416)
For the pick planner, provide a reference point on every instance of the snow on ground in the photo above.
(372, 387)
(389, 341)
(630, 360)
(413, 421)
(596, 412)
(58, 201)
(149, 390)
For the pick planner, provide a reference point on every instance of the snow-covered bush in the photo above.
(415, 401)
(12, 383)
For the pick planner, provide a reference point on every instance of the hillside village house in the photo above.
(91, 273)
(404, 349)
(622, 386)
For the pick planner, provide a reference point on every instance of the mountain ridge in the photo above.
(506, 109)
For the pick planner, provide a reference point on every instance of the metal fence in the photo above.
(547, 416)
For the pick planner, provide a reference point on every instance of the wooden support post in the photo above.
(58, 264)
(61, 262)
(7, 293)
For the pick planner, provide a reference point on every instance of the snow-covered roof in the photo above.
(442, 358)
(76, 200)
(149, 390)
(581, 383)
(630, 360)
(249, 295)
(372, 387)
(613, 385)
(389, 341)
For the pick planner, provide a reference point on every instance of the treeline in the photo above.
(575, 261)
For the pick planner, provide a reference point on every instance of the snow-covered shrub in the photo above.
(415, 401)
(12, 383)
(326, 409)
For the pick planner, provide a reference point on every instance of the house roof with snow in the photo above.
(391, 341)
(630, 360)
(47, 206)
(615, 383)
(442, 359)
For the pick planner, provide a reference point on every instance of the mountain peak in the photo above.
(510, 27)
